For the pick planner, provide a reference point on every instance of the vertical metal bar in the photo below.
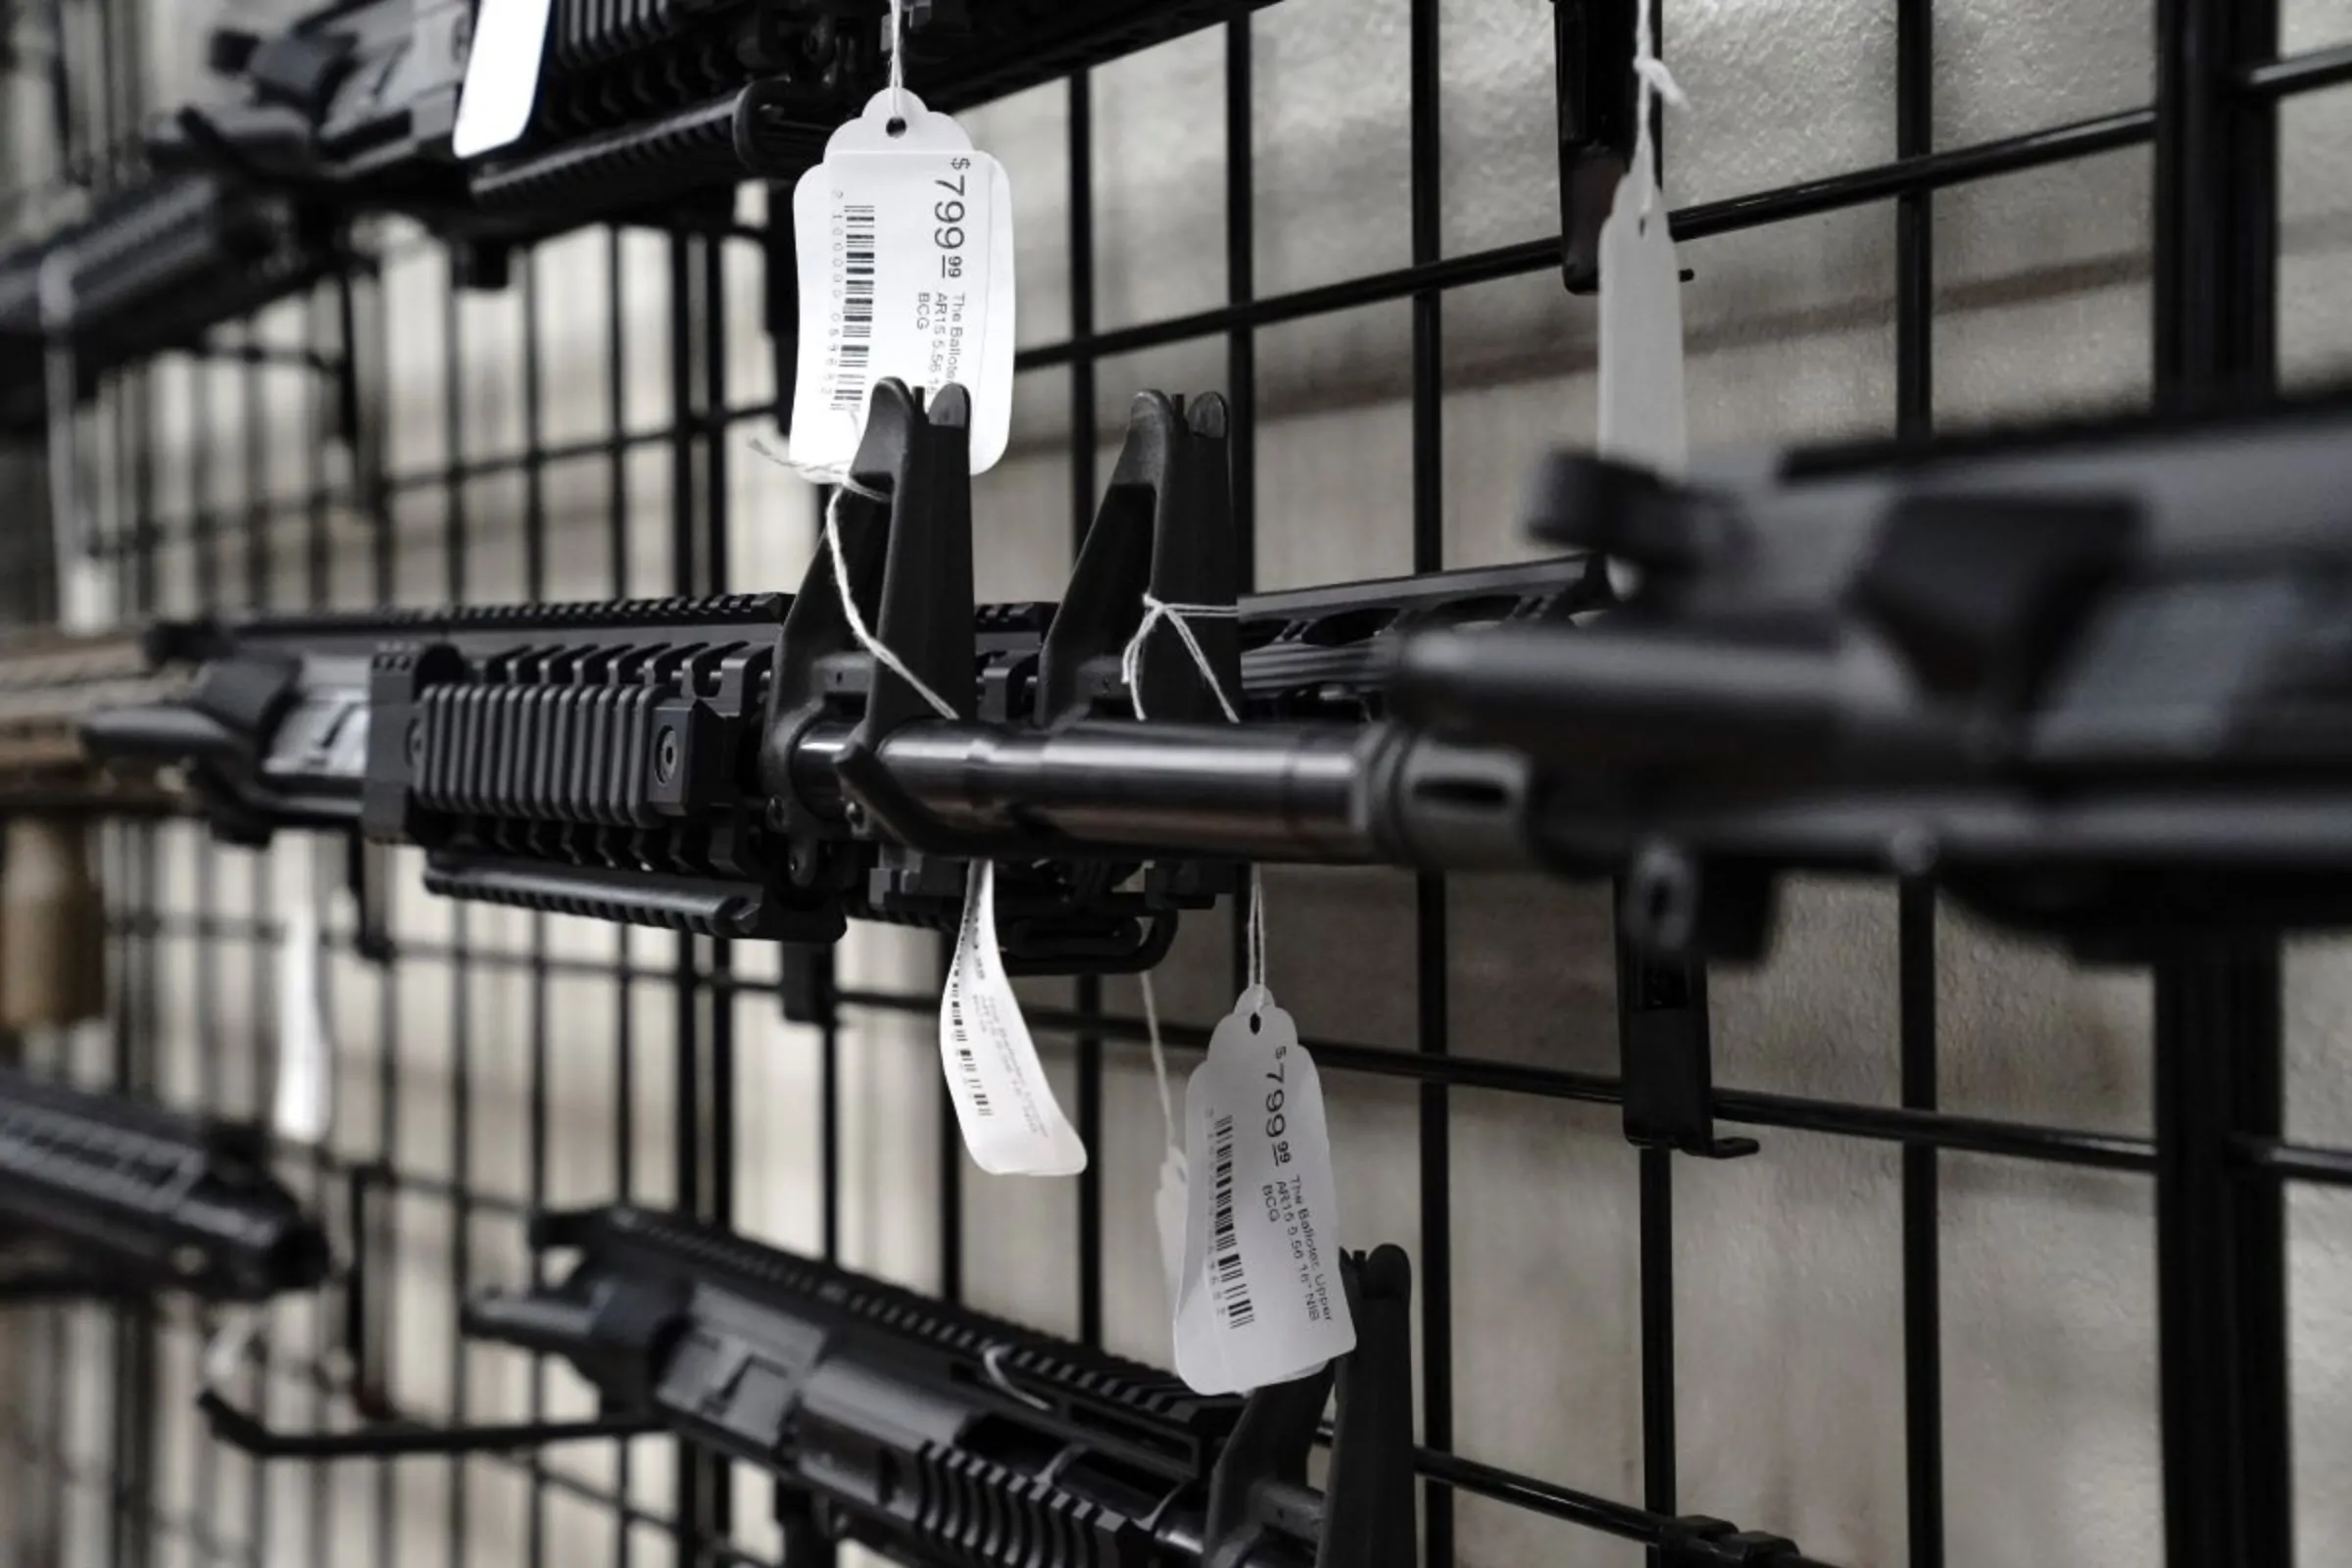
(534, 589)
(138, 1332)
(204, 531)
(720, 1131)
(1915, 916)
(385, 1214)
(1654, 1215)
(624, 1072)
(1240, 347)
(951, 1170)
(316, 593)
(1656, 1231)
(461, 991)
(2220, 1238)
(2229, 1498)
(2217, 201)
(1430, 937)
(259, 517)
(1084, 437)
(693, 1522)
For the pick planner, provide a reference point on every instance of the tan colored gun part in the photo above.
(52, 909)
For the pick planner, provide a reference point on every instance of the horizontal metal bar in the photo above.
(2326, 1168)
(1619, 1519)
(2296, 73)
(1855, 187)
(2063, 1146)
(2050, 1145)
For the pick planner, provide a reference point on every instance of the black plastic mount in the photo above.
(1366, 1517)
(384, 1433)
(913, 554)
(905, 530)
(1165, 526)
(1696, 1541)
(1665, 1056)
(1593, 44)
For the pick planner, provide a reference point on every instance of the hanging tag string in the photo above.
(897, 59)
(1155, 611)
(849, 601)
(844, 484)
(1131, 670)
(1651, 80)
(1160, 1061)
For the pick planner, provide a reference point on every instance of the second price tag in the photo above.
(1010, 1120)
(1259, 1298)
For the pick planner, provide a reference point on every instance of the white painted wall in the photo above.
(1790, 1328)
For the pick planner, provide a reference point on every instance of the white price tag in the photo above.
(1011, 1123)
(906, 270)
(1641, 409)
(305, 1098)
(501, 76)
(1260, 1300)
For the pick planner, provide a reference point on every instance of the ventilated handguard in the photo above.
(590, 760)
(104, 1195)
(155, 268)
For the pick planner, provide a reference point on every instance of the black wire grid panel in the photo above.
(2215, 1153)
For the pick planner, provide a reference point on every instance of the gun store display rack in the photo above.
(2216, 1153)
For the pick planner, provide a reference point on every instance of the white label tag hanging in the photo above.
(906, 270)
(1641, 409)
(1260, 1300)
(501, 76)
(1011, 1123)
(305, 1098)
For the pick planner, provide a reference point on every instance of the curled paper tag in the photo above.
(1010, 1120)
(906, 268)
(305, 1097)
(1259, 1299)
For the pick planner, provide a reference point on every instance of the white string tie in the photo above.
(1179, 617)
(898, 60)
(1651, 80)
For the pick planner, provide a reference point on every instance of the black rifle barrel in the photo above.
(1303, 793)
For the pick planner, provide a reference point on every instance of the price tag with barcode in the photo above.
(1259, 1299)
(1003, 1104)
(904, 239)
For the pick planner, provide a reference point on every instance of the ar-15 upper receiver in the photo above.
(2096, 679)
(652, 108)
(936, 1435)
(2073, 675)
(713, 764)
(158, 264)
(100, 1194)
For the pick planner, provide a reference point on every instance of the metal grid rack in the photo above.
(2216, 1155)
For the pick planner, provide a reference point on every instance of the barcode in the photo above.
(967, 1066)
(1224, 1246)
(852, 357)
